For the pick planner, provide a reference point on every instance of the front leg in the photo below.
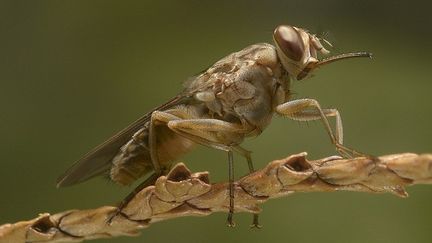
(310, 109)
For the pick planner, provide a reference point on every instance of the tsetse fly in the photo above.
(233, 99)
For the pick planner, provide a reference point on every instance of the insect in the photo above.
(233, 99)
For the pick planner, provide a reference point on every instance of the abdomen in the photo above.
(134, 161)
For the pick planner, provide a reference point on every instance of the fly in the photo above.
(233, 99)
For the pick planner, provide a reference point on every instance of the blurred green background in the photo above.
(72, 73)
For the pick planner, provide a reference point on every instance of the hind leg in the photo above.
(157, 118)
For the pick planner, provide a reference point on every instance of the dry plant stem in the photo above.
(182, 193)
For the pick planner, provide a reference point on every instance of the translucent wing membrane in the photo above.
(98, 161)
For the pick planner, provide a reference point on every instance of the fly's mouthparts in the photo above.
(343, 56)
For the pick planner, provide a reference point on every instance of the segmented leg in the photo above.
(310, 109)
(147, 182)
(208, 132)
(245, 153)
(230, 221)
(157, 118)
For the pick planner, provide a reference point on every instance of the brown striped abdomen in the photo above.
(133, 160)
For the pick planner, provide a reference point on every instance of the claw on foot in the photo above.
(349, 153)
(230, 221)
(255, 224)
(231, 224)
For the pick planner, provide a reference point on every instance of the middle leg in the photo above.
(245, 153)
(220, 135)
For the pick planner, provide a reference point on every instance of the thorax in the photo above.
(244, 87)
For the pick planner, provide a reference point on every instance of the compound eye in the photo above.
(289, 42)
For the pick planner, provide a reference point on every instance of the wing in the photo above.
(98, 160)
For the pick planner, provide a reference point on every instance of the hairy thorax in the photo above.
(244, 87)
